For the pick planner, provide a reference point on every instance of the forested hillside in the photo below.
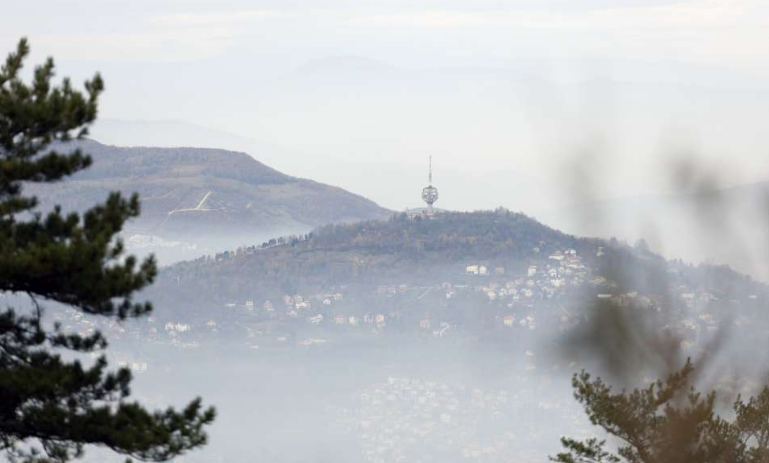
(416, 251)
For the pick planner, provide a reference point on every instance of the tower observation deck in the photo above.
(430, 193)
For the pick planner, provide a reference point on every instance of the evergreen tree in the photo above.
(51, 408)
(668, 422)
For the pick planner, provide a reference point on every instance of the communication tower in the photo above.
(430, 193)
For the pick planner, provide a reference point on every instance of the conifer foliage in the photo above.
(668, 422)
(51, 408)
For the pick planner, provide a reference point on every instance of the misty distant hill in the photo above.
(419, 252)
(174, 133)
(202, 196)
(724, 226)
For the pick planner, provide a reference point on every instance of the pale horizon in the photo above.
(489, 91)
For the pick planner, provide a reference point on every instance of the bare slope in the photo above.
(193, 193)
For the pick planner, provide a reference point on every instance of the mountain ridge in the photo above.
(199, 194)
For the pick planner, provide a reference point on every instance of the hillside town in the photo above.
(548, 296)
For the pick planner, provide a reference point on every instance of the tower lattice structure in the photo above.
(430, 193)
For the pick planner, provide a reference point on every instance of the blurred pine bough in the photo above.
(687, 415)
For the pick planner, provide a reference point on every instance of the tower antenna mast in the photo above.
(430, 193)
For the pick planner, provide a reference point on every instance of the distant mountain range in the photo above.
(204, 199)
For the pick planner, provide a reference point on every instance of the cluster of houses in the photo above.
(542, 281)
(545, 281)
(524, 301)
(534, 297)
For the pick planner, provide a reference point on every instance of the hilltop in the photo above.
(427, 252)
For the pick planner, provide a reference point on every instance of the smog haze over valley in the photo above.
(386, 232)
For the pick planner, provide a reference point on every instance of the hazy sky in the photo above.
(504, 95)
